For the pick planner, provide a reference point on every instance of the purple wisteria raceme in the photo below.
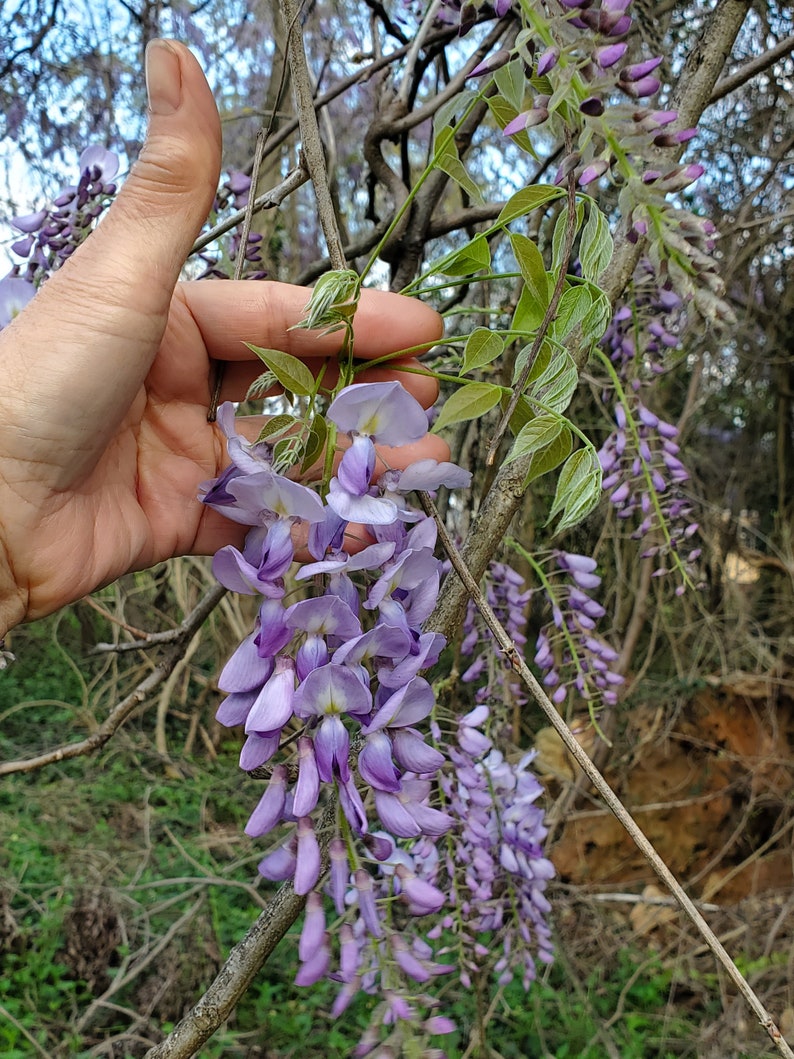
(51, 235)
(328, 687)
(569, 653)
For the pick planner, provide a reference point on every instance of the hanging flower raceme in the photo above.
(328, 688)
(51, 235)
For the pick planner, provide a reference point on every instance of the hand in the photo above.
(107, 373)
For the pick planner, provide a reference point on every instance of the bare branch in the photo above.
(122, 710)
(750, 69)
(310, 133)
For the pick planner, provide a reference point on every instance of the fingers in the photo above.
(230, 314)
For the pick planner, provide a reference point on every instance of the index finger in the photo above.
(228, 314)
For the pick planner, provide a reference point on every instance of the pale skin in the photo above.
(107, 374)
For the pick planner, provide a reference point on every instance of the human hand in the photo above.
(107, 372)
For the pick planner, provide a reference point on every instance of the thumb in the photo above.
(149, 230)
(96, 325)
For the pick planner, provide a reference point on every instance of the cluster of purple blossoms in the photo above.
(51, 235)
(569, 653)
(233, 193)
(589, 36)
(508, 597)
(335, 678)
(495, 859)
(644, 478)
(641, 336)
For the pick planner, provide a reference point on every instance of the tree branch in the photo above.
(122, 710)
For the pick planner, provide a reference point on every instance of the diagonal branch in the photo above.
(515, 660)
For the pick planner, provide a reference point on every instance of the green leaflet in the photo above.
(596, 245)
(535, 435)
(578, 488)
(526, 200)
(470, 402)
(290, 372)
(482, 347)
(448, 159)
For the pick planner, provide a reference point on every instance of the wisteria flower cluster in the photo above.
(495, 858)
(51, 235)
(644, 478)
(338, 674)
(508, 596)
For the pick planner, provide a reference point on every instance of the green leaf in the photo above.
(318, 435)
(448, 159)
(473, 257)
(527, 200)
(536, 435)
(528, 314)
(469, 402)
(555, 386)
(511, 82)
(447, 113)
(261, 386)
(277, 427)
(541, 363)
(571, 310)
(578, 488)
(482, 347)
(550, 457)
(530, 264)
(597, 317)
(524, 412)
(596, 245)
(558, 237)
(286, 453)
(290, 372)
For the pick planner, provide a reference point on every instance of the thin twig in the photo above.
(122, 710)
(516, 662)
(310, 133)
(747, 70)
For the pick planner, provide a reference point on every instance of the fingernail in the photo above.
(163, 78)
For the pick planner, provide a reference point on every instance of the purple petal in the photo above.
(307, 789)
(326, 615)
(357, 466)
(235, 708)
(246, 669)
(331, 690)
(375, 763)
(394, 816)
(369, 510)
(430, 474)
(366, 902)
(352, 805)
(413, 753)
(332, 747)
(271, 805)
(313, 931)
(29, 222)
(273, 707)
(383, 411)
(308, 860)
(258, 749)
(405, 707)
(279, 865)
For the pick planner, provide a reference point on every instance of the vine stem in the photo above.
(516, 662)
(310, 133)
